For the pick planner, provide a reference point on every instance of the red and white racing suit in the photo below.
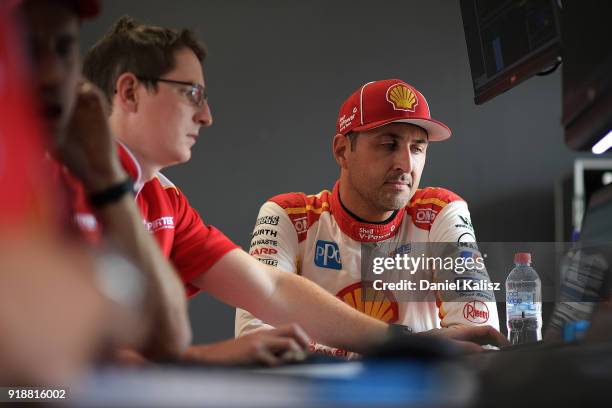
(292, 229)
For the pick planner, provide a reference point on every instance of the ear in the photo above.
(126, 95)
(341, 146)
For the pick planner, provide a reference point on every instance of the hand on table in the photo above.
(269, 347)
(470, 339)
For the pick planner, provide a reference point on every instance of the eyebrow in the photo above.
(174, 81)
(194, 82)
(418, 139)
(55, 37)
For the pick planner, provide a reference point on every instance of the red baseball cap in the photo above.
(85, 9)
(387, 101)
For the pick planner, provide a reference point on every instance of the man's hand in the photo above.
(470, 338)
(269, 347)
(88, 150)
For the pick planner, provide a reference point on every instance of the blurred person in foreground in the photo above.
(82, 162)
(54, 317)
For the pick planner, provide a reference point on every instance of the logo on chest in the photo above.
(327, 255)
(160, 224)
(476, 312)
(372, 235)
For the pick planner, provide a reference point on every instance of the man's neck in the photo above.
(147, 169)
(355, 204)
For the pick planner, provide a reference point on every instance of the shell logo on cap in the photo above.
(379, 304)
(402, 98)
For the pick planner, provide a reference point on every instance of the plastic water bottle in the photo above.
(523, 301)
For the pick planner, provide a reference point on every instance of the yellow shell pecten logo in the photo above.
(379, 304)
(402, 98)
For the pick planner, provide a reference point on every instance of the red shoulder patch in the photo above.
(427, 203)
(289, 200)
(303, 210)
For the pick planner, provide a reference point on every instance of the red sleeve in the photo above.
(197, 246)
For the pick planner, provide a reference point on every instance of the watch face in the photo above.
(119, 280)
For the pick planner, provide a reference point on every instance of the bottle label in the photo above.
(516, 297)
(522, 303)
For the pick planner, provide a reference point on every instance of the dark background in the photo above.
(277, 73)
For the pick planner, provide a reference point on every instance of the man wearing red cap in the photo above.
(382, 134)
(154, 78)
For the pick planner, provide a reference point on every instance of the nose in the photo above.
(203, 116)
(49, 69)
(402, 159)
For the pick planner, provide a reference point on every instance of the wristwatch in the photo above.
(111, 194)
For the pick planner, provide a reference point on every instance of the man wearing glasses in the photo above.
(154, 80)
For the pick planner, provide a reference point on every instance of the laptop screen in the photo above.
(586, 270)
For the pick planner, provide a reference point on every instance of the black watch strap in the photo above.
(111, 194)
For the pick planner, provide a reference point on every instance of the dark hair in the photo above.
(130, 46)
(353, 138)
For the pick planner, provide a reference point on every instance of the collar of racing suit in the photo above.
(359, 230)
(131, 165)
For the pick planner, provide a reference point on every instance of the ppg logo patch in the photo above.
(327, 255)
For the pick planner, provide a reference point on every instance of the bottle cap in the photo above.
(522, 258)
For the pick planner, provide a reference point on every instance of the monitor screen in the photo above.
(509, 41)
(587, 64)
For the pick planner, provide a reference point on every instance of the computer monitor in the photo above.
(586, 274)
(587, 63)
(509, 41)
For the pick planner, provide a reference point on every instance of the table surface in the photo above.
(478, 380)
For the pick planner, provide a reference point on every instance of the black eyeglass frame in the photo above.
(195, 88)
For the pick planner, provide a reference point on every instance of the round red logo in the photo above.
(476, 312)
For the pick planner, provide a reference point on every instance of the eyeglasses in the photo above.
(196, 94)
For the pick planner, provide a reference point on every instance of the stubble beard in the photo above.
(392, 202)
(379, 200)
